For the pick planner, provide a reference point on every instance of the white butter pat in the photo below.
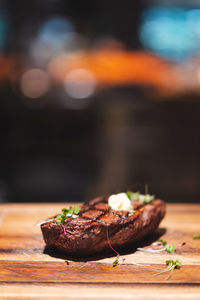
(120, 202)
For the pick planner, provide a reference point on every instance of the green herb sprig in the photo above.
(71, 212)
(144, 198)
(168, 248)
(196, 237)
(116, 261)
(172, 264)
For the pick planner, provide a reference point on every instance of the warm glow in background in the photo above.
(99, 97)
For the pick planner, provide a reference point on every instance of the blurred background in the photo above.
(97, 97)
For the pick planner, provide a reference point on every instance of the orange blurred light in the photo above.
(117, 68)
(7, 67)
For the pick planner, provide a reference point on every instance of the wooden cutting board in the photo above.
(27, 272)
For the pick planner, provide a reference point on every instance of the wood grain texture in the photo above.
(26, 271)
(91, 272)
(99, 291)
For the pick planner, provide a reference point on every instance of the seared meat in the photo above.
(88, 233)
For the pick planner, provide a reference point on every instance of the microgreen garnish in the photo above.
(168, 248)
(145, 198)
(116, 261)
(77, 210)
(196, 237)
(131, 212)
(172, 264)
(175, 263)
(132, 196)
(71, 212)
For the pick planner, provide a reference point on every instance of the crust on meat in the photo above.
(87, 234)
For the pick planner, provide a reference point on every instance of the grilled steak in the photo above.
(96, 223)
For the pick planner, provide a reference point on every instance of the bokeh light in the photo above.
(79, 83)
(3, 29)
(193, 21)
(35, 83)
(198, 75)
(54, 36)
(171, 32)
(56, 32)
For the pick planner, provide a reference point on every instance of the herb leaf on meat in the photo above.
(145, 198)
(71, 212)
